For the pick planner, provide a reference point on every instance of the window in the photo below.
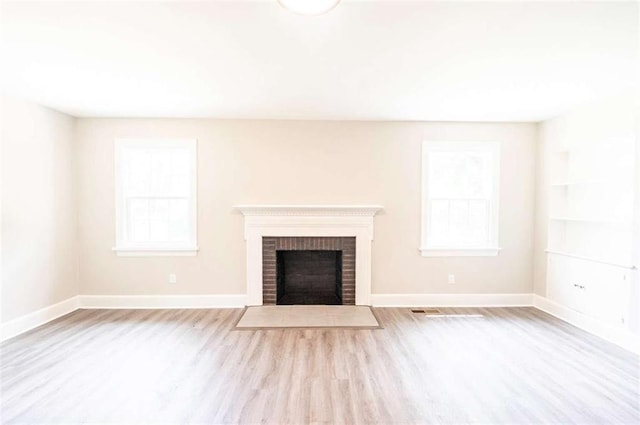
(155, 196)
(460, 198)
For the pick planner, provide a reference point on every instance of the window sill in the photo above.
(155, 252)
(460, 252)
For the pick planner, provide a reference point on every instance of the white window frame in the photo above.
(492, 248)
(126, 248)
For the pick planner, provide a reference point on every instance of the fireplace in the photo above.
(308, 270)
(345, 228)
(309, 277)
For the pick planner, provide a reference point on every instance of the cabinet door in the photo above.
(607, 294)
(567, 282)
(578, 282)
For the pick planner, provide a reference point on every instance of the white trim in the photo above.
(37, 318)
(308, 221)
(493, 147)
(455, 252)
(616, 335)
(126, 248)
(452, 300)
(156, 252)
(162, 301)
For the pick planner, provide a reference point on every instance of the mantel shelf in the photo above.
(309, 210)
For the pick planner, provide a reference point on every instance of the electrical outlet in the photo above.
(172, 278)
(452, 278)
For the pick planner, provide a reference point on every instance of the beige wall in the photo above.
(297, 162)
(39, 238)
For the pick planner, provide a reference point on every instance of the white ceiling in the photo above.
(388, 60)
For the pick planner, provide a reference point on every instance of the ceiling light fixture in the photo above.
(309, 7)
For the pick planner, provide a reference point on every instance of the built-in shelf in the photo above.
(591, 220)
(590, 165)
(592, 259)
(575, 183)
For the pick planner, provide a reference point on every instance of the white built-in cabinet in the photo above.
(597, 290)
(590, 223)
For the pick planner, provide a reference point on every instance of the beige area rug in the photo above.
(308, 316)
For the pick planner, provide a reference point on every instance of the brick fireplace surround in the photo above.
(299, 227)
(272, 244)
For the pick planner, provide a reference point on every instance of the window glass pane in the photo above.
(139, 230)
(459, 174)
(138, 209)
(180, 173)
(137, 168)
(138, 219)
(160, 172)
(159, 220)
(478, 222)
(158, 230)
(458, 222)
(159, 209)
(179, 209)
(439, 222)
(178, 219)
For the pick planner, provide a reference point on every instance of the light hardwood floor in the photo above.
(513, 366)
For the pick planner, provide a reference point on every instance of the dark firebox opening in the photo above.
(309, 277)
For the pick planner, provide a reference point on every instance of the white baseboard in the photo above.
(163, 301)
(29, 321)
(451, 300)
(616, 335)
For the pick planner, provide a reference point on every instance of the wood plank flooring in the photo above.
(512, 366)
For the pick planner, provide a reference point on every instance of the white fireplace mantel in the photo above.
(310, 221)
